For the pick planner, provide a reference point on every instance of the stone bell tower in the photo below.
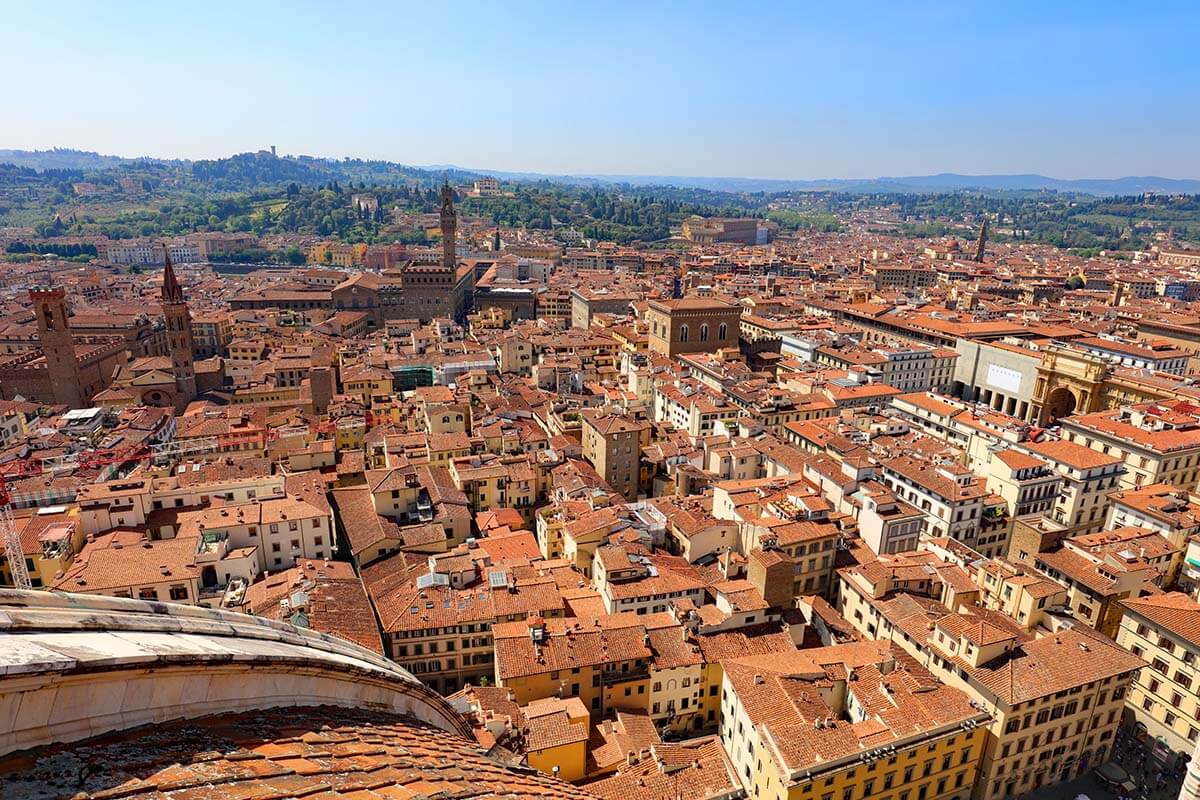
(54, 335)
(449, 229)
(179, 335)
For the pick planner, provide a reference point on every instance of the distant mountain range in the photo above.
(942, 182)
(62, 158)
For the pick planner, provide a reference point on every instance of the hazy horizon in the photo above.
(703, 90)
(582, 174)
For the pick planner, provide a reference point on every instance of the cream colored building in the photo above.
(1055, 698)
(1159, 442)
(791, 723)
(1026, 482)
(1018, 592)
(1164, 630)
(1088, 476)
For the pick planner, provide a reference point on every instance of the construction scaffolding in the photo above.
(13, 550)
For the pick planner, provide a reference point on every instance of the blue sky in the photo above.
(789, 90)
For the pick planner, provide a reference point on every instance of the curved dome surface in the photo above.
(110, 697)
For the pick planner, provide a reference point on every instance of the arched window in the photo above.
(723, 331)
(683, 333)
(704, 333)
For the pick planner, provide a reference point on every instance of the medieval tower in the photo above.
(449, 230)
(981, 245)
(54, 335)
(179, 335)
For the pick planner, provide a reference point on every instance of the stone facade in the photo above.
(61, 371)
(692, 325)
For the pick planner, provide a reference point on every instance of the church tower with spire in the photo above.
(179, 335)
(449, 230)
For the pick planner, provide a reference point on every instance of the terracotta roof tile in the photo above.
(295, 752)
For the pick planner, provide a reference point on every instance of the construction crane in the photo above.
(91, 459)
(9, 534)
(12, 541)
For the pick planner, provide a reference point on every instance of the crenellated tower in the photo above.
(449, 229)
(54, 335)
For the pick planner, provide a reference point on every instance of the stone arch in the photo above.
(1061, 402)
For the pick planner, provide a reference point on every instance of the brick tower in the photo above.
(179, 335)
(321, 380)
(981, 245)
(54, 335)
(449, 229)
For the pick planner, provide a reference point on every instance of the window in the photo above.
(723, 331)
(704, 333)
(683, 333)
